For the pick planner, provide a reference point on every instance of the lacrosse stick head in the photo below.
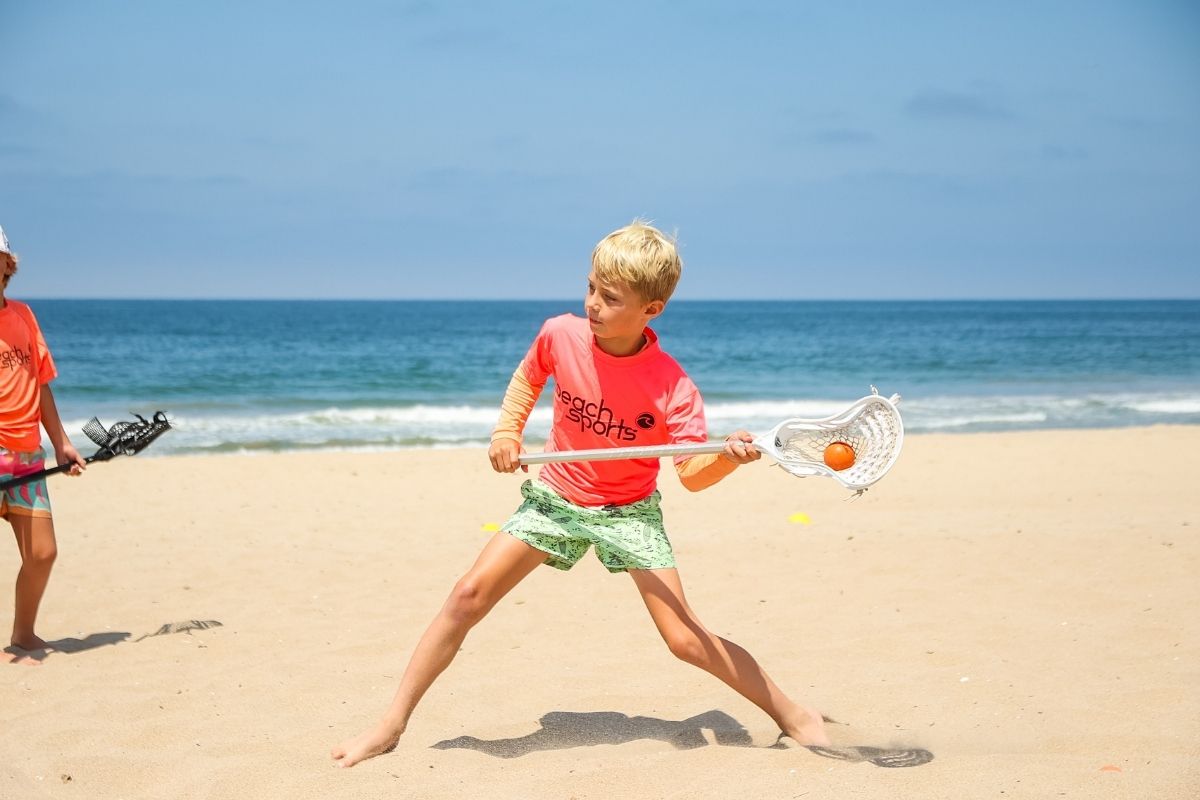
(126, 438)
(871, 427)
(95, 431)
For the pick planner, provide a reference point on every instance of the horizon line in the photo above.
(964, 299)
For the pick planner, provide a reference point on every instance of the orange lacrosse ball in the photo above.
(839, 456)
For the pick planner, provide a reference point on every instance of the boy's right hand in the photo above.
(505, 455)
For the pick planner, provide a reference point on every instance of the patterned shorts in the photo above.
(626, 537)
(31, 499)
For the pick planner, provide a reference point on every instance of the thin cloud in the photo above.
(937, 185)
(420, 8)
(1063, 152)
(939, 104)
(844, 136)
(22, 116)
(1129, 122)
(458, 180)
(17, 150)
(472, 39)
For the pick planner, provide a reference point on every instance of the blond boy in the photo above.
(613, 386)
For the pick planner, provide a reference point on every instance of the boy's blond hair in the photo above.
(641, 257)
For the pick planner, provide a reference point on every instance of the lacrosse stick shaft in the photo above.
(12, 483)
(621, 453)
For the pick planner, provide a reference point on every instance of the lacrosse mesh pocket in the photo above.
(872, 427)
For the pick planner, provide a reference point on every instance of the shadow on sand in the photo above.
(71, 645)
(563, 730)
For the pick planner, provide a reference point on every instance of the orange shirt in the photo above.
(25, 364)
(602, 400)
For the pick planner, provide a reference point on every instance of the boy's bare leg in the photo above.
(35, 540)
(503, 563)
(690, 641)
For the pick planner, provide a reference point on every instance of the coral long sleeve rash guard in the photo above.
(25, 366)
(602, 400)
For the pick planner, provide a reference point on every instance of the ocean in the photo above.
(269, 376)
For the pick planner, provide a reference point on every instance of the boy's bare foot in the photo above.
(375, 742)
(807, 728)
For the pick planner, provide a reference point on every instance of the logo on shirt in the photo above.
(599, 419)
(15, 358)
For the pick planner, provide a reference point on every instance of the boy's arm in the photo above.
(64, 451)
(700, 472)
(519, 400)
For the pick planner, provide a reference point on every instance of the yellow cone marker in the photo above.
(491, 527)
(800, 518)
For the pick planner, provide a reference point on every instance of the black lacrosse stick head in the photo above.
(126, 438)
(95, 431)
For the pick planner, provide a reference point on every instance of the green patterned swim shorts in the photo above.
(626, 537)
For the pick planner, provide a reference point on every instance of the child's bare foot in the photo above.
(807, 727)
(375, 742)
(18, 658)
(31, 642)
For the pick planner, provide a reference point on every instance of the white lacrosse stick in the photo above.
(871, 427)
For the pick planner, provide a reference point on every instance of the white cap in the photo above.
(4, 241)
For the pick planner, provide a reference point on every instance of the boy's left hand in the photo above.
(740, 449)
(67, 454)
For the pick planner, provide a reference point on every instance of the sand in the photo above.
(1022, 606)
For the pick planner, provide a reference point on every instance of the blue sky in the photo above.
(427, 149)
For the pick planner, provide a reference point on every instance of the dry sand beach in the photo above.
(1023, 606)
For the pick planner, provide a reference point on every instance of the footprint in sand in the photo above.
(891, 758)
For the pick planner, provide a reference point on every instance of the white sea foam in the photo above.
(1185, 405)
(389, 428)
(945, 422)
